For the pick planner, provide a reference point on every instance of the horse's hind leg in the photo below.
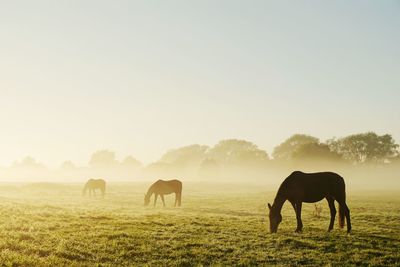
(348, 221)
(162, 198)
(179, 199)
(155, 199)
(331, 203)
(346, 212)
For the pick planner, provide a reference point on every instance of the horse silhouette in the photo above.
(92, 185)
(162, 188)
(301, 187)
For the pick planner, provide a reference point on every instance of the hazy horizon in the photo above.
(140, 78)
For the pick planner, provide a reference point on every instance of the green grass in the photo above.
(52, 225)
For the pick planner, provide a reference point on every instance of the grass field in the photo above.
(52, 225)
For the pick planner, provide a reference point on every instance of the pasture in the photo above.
(222, 225)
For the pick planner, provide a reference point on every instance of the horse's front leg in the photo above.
(293, 205)
(298, 217)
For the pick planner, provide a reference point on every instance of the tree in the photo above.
(67, 166)
(365, 147)
(234, 151)
(28, 163)
(209, 168)
(286, 149)
(315, 151)
(131, 162)
(191, 155)
(103, 158)
(161, 169)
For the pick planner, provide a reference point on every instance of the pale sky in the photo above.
(142, 77)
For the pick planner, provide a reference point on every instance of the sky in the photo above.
(142, 77)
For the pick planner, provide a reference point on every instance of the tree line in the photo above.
(354, 149)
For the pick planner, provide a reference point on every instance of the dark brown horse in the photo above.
(92, 185)
(162, 188)
(302, 187)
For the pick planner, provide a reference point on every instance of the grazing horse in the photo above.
(162, 188)
(92, 185)
(301, 187)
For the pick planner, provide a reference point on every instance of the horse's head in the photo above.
(146, 199)
(275, 219)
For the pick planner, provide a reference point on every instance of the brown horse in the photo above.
(162, 188)
(92, 185)
(301, 187)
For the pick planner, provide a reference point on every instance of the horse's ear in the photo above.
(269, 206)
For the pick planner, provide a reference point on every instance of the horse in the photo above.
(301, 187)
(92, 185)
(162, 188)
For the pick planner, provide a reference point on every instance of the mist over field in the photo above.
(199, 133)
(367, 161)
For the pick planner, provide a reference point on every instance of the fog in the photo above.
(374, 167)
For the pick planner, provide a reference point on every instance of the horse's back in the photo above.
(96, 182)
(312, 187)
(321, 178)
(168, 186)
(176, 183)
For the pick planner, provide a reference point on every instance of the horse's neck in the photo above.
(150, 191)
(278, 203)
